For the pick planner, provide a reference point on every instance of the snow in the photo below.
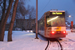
(68, 30)
(23, 40)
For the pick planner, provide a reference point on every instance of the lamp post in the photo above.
(36, 19)
(71, 22)
(71, 16)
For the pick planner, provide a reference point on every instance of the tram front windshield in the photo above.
(53, 21)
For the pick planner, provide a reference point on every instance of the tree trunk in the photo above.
(3, 15)
(5, 20)
(12, 21)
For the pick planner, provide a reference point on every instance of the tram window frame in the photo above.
(55, 22)
(46, 21)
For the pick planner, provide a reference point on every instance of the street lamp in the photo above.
(69, 15)
(71, 22)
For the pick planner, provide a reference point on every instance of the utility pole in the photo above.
(36, 19)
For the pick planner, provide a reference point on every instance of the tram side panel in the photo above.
(41, 28)
(47, 29)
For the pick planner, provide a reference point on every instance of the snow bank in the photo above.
(26, 41)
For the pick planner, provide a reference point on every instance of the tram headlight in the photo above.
(64, 31)
(53, 32)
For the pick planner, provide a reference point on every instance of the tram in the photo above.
(52, 24)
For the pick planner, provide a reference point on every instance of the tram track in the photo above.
(59, 44)
(47, 45)
(51, 41)
(66, 40)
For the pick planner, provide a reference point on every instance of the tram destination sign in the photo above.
(57, 13)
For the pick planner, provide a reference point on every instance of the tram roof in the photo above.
(55, 11)
(58, 11)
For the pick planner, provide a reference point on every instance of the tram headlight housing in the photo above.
(53, 32)
(64, 31)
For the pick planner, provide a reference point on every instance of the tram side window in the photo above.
(48, 22)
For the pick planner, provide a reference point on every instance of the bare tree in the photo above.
(21, 10)
(3, 15)
(5, 20)
(12, 21)
(31, 12)
(31, 15)
(1, 2)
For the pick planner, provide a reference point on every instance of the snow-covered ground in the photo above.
(26, 41)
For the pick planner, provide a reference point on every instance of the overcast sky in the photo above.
(47, 5)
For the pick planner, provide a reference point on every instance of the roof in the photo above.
(56, 10)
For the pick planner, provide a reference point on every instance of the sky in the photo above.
(47, 5)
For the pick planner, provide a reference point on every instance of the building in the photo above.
(25, 24)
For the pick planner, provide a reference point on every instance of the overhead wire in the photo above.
(45, 6)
